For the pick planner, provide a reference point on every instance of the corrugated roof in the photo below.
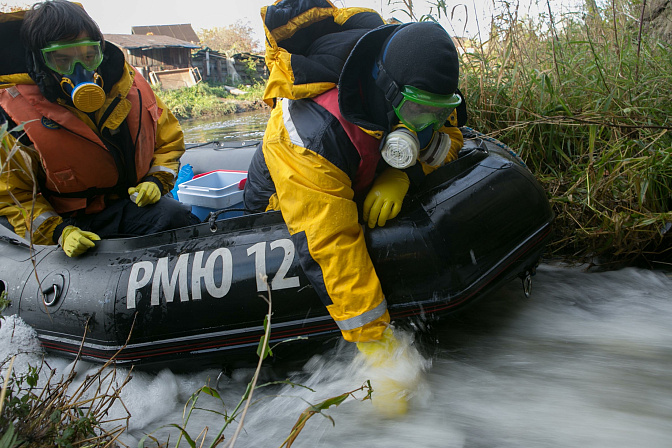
(182, 31)
(132, 41)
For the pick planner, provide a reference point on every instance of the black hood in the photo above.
(356, 82)
(421, 55)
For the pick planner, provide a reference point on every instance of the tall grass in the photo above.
(587, 104)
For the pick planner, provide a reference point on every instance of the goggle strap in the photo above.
(388, 86)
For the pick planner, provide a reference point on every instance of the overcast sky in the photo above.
(205, 13)
(118, 16)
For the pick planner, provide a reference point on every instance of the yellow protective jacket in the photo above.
(307, 164)
(38, 182)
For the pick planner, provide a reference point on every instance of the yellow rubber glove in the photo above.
(395, 369)
(384, 200)
(76, 241)
(146, 193)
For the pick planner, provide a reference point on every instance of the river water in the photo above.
(585, 362)
(243, 126)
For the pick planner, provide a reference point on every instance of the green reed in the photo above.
(584, 100)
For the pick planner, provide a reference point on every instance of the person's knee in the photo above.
(5, 223)
(174, 214)
(166, 214)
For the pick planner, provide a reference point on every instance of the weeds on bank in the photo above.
(52, 415)
(205, 99)
(585, 100)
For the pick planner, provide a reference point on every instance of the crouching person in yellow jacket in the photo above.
(96, 150)
(359, 116)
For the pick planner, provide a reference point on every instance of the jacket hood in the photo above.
(355, 77)
(307, 43)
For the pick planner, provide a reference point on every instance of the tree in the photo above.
(5, 8)
(236, 38)
(657, 17)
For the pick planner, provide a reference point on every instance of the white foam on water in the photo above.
(586, 362)
(19, 340)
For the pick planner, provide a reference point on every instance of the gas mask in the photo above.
(85, 88)
(402, 147)
(76, 62)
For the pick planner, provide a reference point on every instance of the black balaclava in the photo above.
(421, 55)
(44, 78)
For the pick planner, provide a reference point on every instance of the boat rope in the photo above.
(219, 146)
(192, 146)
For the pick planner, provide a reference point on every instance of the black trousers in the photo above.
(124, 218)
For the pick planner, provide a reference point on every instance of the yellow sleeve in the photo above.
(316, 201)
(169, 148)
(20, 201)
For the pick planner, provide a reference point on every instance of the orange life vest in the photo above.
(79, 167)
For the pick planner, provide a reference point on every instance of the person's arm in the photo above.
(160, 178)
(316, 201)
(169, 149)
(28, 212)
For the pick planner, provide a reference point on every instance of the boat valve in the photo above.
(212, 220)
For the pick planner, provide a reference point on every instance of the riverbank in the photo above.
(205, 100)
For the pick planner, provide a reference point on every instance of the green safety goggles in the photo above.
(61, 57)
(419, 109)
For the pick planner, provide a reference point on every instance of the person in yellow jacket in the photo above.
(95, 149)
(362, 111)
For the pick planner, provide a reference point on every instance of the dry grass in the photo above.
(584, 100)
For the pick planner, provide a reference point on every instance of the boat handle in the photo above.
(527, 284)
(46, 294)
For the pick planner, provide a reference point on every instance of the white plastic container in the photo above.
(213, 191)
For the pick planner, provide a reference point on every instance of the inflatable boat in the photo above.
(193, 293)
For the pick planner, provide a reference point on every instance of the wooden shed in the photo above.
(241, 68)
(182, 31)
(154, 53)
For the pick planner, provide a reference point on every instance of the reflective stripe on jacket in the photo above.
(309, 162)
